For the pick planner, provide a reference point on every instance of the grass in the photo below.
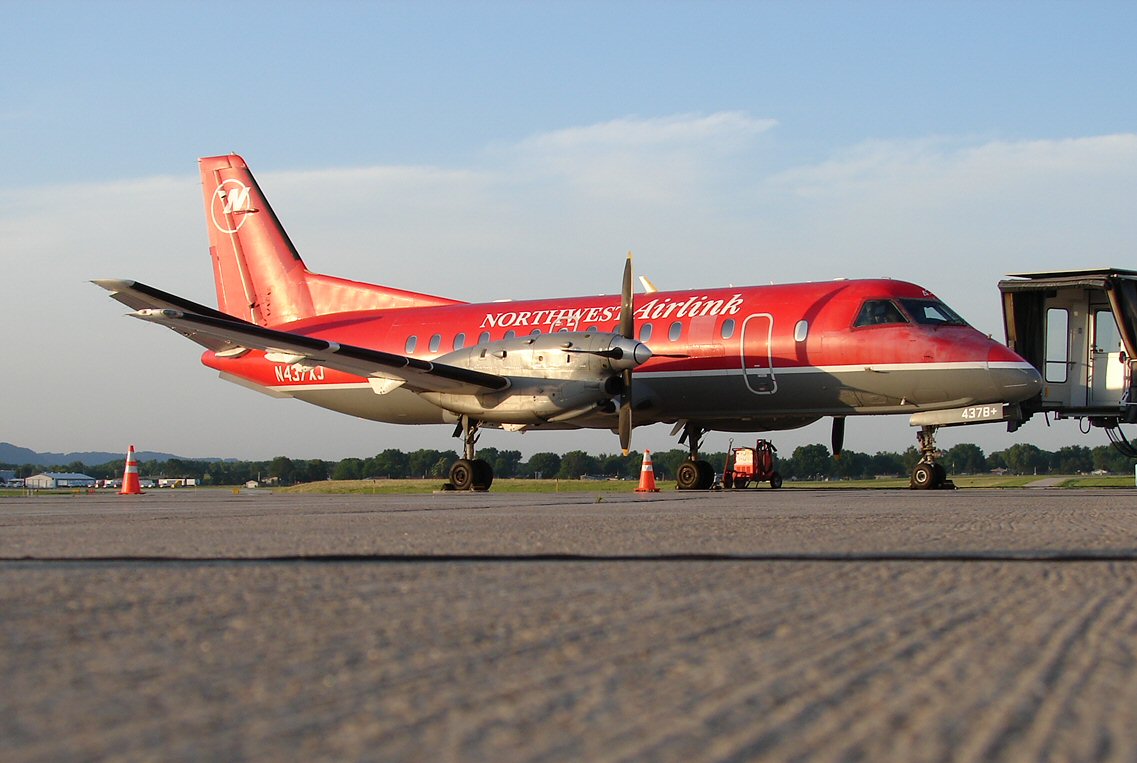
(428, 486)
(395, 487)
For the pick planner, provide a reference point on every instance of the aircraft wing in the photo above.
(419, 375)
(139, 296)
(224, 333)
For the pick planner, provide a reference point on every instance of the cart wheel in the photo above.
(775, 480)
(728, 481)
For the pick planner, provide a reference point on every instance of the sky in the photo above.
(486, 150)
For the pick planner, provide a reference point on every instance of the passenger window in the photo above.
(675, 331)
(878, 312)
(1057, 344)
(483, 337)
(534, 332)
(435, 342)
(459, 341)
(645, 332)
(510, 334)
(411, 342)
(728, 328)
(801, 331)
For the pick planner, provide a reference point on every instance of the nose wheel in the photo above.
(929, 473)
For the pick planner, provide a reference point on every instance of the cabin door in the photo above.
(757, 356)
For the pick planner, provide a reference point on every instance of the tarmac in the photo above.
(969, 625)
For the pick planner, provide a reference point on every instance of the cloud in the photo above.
(632, 134)
(639, 161)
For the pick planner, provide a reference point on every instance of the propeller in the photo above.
(626, 353)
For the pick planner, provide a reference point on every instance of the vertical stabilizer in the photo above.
(258, 273)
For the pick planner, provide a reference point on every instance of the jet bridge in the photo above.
(1079, 329)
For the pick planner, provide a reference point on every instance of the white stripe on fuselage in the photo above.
(737, 371)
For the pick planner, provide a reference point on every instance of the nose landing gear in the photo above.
(929, 473)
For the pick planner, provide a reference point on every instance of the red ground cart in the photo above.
(746, 465)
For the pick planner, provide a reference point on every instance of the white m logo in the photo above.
(231, 206)
(236, 200)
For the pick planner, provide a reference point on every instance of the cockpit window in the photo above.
(877, 312)
(930, 312)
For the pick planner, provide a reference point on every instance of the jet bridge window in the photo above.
(878, 312)
(1107, 337)
(1057, 344)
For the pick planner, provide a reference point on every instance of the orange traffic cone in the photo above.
(130, 483)
(647, 476)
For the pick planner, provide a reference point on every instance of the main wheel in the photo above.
(923, 477)
(483, 474)
(687, 476)
(706, 475)
(462, 474)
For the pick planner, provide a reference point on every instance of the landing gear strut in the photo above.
(469, 473)
(929, 473)
(694, 473)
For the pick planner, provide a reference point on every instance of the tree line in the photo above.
(806, 462)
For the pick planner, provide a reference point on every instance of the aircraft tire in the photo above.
(483, 474)
(688, 476)
(706, 475)
(923, 477)
(462, 474)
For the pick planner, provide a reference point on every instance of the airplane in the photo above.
(734, 359)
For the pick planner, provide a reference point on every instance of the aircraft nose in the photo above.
(1015, 379)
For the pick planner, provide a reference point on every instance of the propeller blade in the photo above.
(627, 302)
(625, 426)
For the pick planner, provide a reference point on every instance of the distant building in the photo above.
(49, 480)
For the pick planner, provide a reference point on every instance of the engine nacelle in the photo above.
(553, 376)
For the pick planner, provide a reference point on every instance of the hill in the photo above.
(13, 454)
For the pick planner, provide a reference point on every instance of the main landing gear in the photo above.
(469, 473)
(694, 473)
(929, 473)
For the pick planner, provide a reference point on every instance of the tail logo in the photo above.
(230, 206)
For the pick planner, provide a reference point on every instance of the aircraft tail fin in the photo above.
(258, 273)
